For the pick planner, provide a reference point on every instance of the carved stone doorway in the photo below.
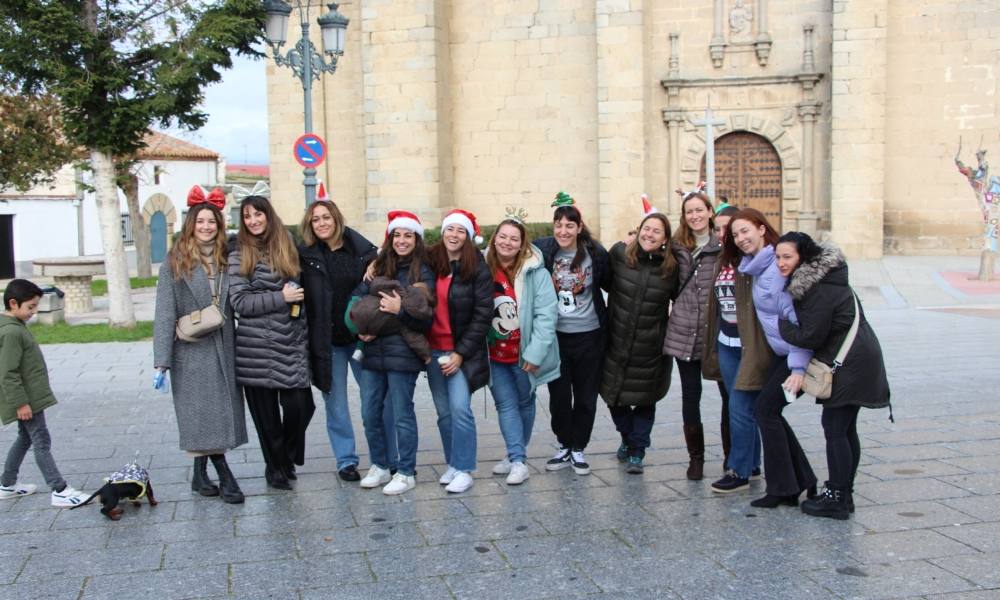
(748, 173)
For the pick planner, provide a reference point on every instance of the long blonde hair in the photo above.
(274, 248)
(186, 253)
(309, 236)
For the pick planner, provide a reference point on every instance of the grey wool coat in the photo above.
(687, 316)
(271, 347)
(207, 400)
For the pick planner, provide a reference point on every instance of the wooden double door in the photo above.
(748, 174)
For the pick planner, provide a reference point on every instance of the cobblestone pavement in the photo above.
(927, 522)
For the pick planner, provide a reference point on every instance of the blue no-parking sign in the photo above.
(309, 150)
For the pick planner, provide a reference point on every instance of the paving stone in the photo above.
(228, 551)
(913, 470)
(423, 587)
(481, 529)
(905, 545)
(910, 515)
(552, 581)
(10, 566)
(983, 508)
(360, 539)
(291, 521)
(281, 577)
(165, 533)
(984, 537)
(95, 561)
(889, 580)
(47, 588)
(980, 484)
(405, 510)
(554, 550)
(170, 584)
(27, 521)
(446, 559)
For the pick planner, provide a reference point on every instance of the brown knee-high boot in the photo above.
(694, 436)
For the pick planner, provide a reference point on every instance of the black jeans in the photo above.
(690, 371)
(282, 436)
(635, 424)
(786, 468)
(573, 396)
(843, 447)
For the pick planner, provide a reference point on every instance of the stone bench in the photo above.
(73, 275)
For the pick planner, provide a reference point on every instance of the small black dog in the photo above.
(131, 484)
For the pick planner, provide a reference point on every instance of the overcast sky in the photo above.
(237, 109)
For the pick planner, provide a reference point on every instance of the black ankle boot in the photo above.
(231, 492)
(832, 503)
(276, 478)
(199, 478)
(769, 501)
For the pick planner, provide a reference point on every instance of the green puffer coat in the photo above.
(24, 378)
(636, 372)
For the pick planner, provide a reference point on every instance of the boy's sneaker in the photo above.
(400, 483)
(622, 453)
(559, 461)
(579, 463)
(729, 483)
(68, 497)
(460, 483)
(502, 467)
(519, 473)
(17, 490)
(635, 465)
(375, 477)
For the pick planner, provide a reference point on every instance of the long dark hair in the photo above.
(387, 262)
(584, 241)
(633, 249)
(274, 248)
(437, 258)
(805, 246)
(731, 254)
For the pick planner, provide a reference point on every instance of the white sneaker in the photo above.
(448, 476)
(461, 483)
(519, 473)
(502, 467)
(375, 477)
(68, 497)
(400, 483)
(579, 463)
(17, 490)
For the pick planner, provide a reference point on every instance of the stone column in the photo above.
(807, 219)
(675, 120)
(717, 46)
(857, 149)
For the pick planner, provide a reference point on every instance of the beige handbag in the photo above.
(199, 323)
(818, 379)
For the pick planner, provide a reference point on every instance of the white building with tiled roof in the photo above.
(61, 219)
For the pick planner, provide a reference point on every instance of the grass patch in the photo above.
(64, 333)
(99, 287)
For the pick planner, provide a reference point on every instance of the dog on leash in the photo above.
(131, 484)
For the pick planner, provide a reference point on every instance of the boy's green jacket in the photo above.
(24, 378)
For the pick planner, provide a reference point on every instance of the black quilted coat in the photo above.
(271, 346)
(636, 372)
(470, 308)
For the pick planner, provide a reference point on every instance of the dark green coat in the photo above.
(24, 378)
(635, 372)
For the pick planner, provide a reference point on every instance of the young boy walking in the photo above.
(24, 395)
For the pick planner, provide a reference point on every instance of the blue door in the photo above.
(158, 237)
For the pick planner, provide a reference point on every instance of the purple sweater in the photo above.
(772, 303)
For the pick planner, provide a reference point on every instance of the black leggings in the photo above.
(843, 447)
(690, 371)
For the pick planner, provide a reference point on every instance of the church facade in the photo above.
(835, 117)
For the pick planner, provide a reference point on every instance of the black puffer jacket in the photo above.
(390, 352)
(470, 309)
(635, 372)
(601, 271)
(824, 304)
(319, 298)
(271, 346)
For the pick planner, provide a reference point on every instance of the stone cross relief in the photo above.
(987, 192)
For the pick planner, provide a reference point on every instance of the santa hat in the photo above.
(402, 219)
(216, 197)
(647, 208)
(467, 220)
(321, 192)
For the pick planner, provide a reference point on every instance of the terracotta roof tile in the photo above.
(160, 146)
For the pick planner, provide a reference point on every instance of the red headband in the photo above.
(216, 197)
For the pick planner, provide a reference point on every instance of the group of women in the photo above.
(724, 297)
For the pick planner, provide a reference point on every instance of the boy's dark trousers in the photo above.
(32, 434)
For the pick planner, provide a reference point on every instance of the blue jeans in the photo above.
(515, 401)
(453, 402)
(338, 413)
(393, 389)
(744, 456)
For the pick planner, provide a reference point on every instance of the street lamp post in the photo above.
(305, 62)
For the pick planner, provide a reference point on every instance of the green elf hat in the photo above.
(562, 199)
(722, 206)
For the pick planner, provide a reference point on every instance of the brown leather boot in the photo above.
(694, 436)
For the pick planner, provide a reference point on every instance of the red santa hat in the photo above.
(216, 197)
(647, 208)
(402, 219)
(321, 192)
(465, 219)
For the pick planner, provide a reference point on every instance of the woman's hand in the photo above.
(369, 272)
(390, 303)
(24, 412)
(529, 368)
(365, 337)
(794, 383)
(453, 365)
(292, 294)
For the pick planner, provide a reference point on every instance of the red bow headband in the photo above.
(216, 197)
